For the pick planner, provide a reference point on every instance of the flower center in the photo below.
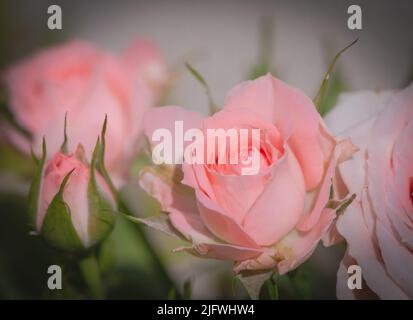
(238, 149)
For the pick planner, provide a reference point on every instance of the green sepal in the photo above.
(273, 287)
(333, 91)
(102, 214)
(63, 147)
(323, 88)
(57, 228)
(253, 280)
(34, 191)
(100, 161)
(344, 205)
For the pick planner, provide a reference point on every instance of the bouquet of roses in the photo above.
(259, 182)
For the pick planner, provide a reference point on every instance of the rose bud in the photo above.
(378, 225)
(269, 218)
(79, 79)
(72, 202)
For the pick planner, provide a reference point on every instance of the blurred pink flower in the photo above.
(378, 225)
(273, 219)
(87, 83)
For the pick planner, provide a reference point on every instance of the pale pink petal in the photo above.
(222, 251)
(236, 194)
(398, 259)
(75, 192)
(291, 251)
(291, 111)
(352, 171)
(161, 184)
(221, 225)
(76, 197)
(197, 176)
(342, 122)
(191, 226)
(302, 244)
(342, 150)
(179, 202)
(388, 127)
(360, 245)
(365, 104)
(186, 219)
(400, 198)
(277, 210)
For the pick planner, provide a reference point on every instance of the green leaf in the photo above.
(187, 290)
(253, 281)
(57, 228)
(198, 76)
(172, 294)
(91, 274)
(272, 288)
(266, 47)
(63, 147)
(34, 191)
(321, 92)
(300, 280)
(234, 285)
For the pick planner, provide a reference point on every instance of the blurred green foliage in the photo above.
(128, 269)
(266, 48)
(335, 87)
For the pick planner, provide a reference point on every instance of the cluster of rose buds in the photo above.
(72, 197)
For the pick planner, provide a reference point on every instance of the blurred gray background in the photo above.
(221, 38)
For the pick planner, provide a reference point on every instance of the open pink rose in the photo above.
(272, 219)
(378, 225)
(86, 83)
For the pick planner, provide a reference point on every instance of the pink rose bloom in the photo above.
(273, 219)
(378, 225)
(87, 83)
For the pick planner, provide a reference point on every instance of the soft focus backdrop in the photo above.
(222, 40)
